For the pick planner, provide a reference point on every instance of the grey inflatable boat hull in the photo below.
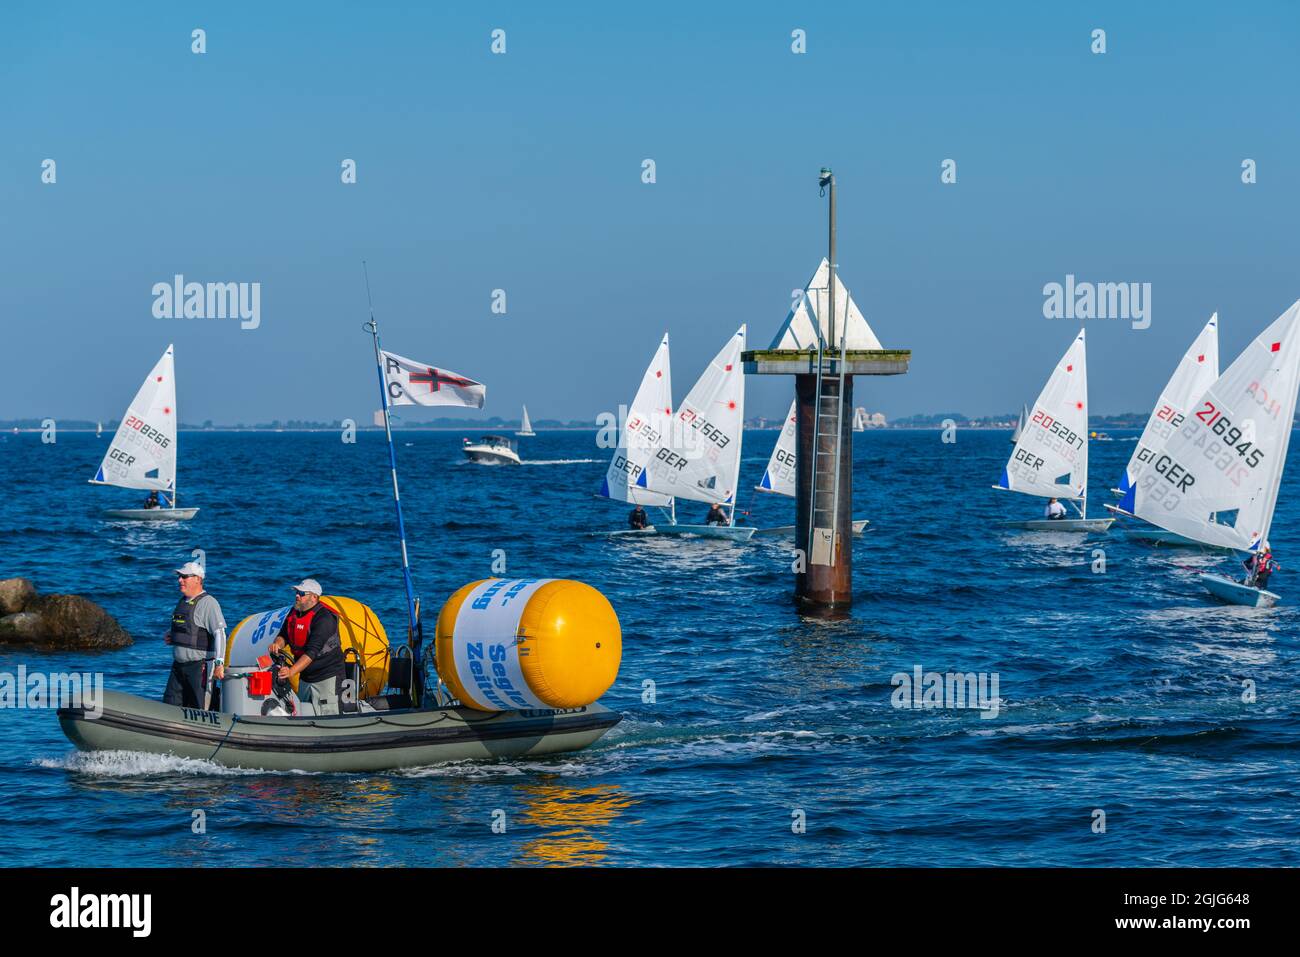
(375, 741)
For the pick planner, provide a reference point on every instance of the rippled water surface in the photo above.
(1120, 691)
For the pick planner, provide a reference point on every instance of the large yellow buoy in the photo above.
(360, 634)
(528, 643)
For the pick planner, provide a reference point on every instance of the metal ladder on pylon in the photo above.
(828, 438)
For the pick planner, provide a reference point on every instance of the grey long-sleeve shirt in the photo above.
(207, 614)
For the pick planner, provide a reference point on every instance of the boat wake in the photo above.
(131, 764)
(557, 461)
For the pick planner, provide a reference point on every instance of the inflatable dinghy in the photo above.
(367, 741)
(525, 660)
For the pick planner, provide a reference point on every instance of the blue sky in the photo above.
(522, 172)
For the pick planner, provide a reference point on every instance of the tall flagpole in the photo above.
(372, 327)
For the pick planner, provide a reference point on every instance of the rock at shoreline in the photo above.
(15, 593)
(56, 622)
(22, 626)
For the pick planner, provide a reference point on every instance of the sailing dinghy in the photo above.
(525, 427)
(779, 476)
(1198, 368)
(142, 454)
(1050, 459)
(700, 459)
(1216, 479)
(647, 422)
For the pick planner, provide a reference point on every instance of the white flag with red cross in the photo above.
(414, 383)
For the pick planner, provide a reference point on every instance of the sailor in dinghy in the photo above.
(142, 454)
(700, 458)
(1051, 455)
(1216, 479)
(646, 423)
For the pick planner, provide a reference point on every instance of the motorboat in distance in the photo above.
(492, 450)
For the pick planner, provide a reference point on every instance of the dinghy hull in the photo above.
(152, 514)
(1238, 593)
(373, 741)
(1063, 525)
(733, 533)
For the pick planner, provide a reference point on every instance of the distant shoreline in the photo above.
(490, 429)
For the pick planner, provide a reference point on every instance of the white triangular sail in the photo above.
(1020, 426)
(647, 423)
(1216, 478)
(143, 452)
(701, 458)
(1197, 370)
(779, 476)
(525, 427)
(1051, 456)
(799, 331)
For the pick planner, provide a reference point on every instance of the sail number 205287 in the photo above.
(1054, 427)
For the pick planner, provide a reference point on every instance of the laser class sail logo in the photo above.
(75, 910)
(211, 300)
(1104, 300)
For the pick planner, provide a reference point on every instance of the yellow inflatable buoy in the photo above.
(528, 643)
(360, 634)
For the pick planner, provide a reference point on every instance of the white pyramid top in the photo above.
(798, 331)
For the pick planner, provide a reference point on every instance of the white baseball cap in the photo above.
(191, 568)
(309, 585)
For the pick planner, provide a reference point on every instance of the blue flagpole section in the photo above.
(373, 328)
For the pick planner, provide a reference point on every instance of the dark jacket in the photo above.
(322, 642)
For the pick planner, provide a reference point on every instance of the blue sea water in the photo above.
(1121, 690)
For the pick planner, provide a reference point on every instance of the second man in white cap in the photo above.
(311, 632)
(198, 640)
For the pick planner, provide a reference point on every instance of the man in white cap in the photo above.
(198, 638)
(311, 632)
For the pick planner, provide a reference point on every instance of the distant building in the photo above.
(863, 420)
